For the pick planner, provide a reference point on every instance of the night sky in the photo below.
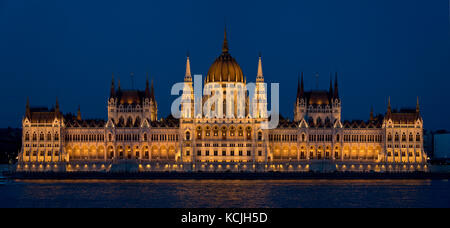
(382, 48)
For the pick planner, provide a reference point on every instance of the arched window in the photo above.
(418, 137)
(249, 133)
(259, 136)
(199, 132)
(396, 137)
(188, 135)
(303, 137)
(41, 136)
(145, 136)
(27, 136)
(403, 137)
(56, 136)
(389, 137)
(411, 137)
(338, 138)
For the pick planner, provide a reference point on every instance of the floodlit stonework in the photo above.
(133, 139)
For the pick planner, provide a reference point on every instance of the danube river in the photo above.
(225, 193)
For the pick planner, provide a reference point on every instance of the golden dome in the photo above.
(225, 68)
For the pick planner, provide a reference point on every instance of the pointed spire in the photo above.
(147, 89)
(225, 42)
(417, 105)
(188, 76)
(152, 92)
(57, 106)
(27, 109)
(336, 90)
(118, 86)
(259, 76)
(389, 111)
(113, 88)
(371, 114)
(302, 88)
(79, 113)
(331, 86)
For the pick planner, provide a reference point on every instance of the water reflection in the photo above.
(225, 193)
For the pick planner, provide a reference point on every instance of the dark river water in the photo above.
(226, 193)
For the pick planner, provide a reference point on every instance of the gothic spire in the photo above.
(389, 111)
(417, 106)
(331, 86)
(371, 114)
(79, 114)
(259, 76)
(188, 76)
(152, 92)
(113, 88)
(27, 109)
(225, 42)
(302, 88)
(147, 89)
(57, 107)
(336, 90)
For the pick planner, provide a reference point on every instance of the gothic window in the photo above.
(403, 137)
(27, 136)
(396, 137)
(199, 132)
(145, 137)
(389, 137)
(418, 137)
(41, 137)
(338, 138)
(188, 135)
(216, 131)
(232, 131)
(259, 136)
(303, 137)
(240, 132)
(249, 133)
(49, 136)
(410, 137)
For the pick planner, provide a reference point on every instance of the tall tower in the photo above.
(153, 104)
(260, 96)
(336, 102)
(300, 103)
(187, 99)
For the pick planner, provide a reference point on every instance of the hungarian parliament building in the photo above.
(135, 139)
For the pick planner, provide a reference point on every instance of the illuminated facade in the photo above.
(230, 139)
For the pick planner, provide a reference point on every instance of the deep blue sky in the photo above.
(69, 49)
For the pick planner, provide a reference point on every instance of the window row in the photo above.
(363, 138)
(85, 138)
(397, 137)
(224, 153)
(42, 136)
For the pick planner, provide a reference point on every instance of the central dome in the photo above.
(225, 68)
